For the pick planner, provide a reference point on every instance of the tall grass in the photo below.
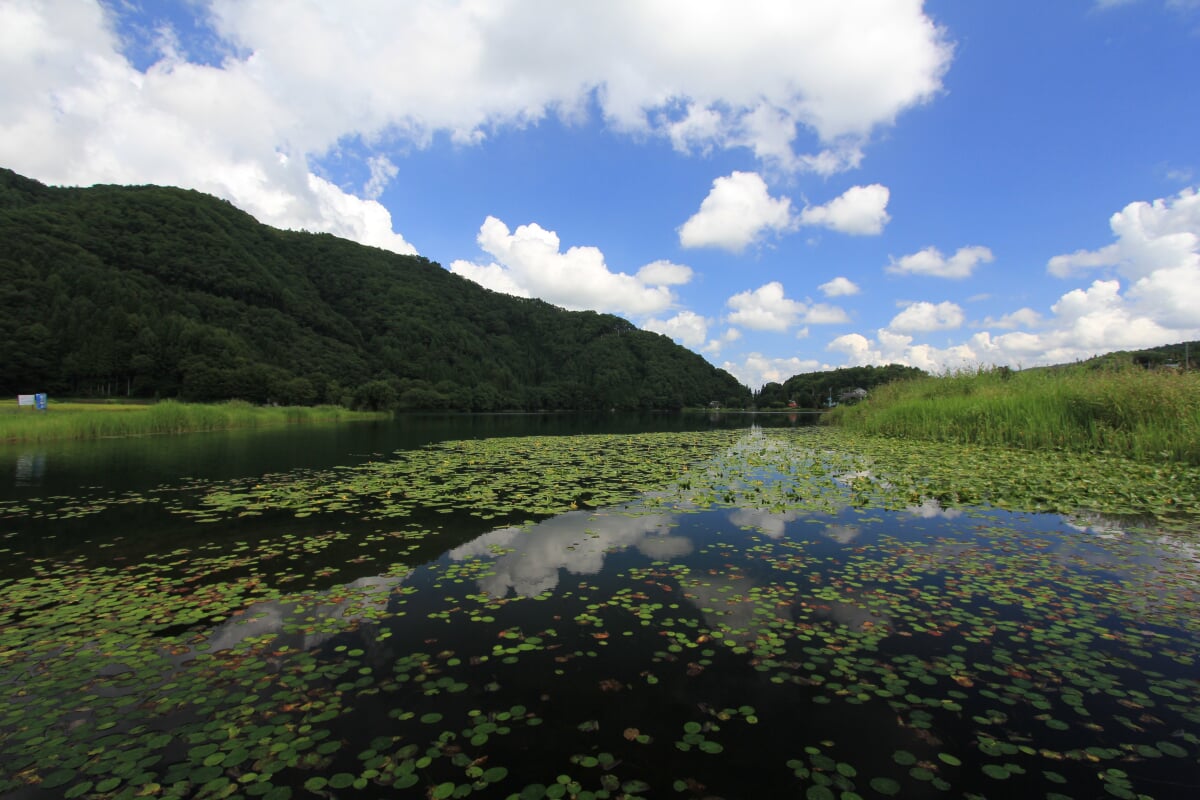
(98, 421)
(1135, 413)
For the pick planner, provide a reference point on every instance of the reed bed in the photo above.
(99, 421)
(1135, 413)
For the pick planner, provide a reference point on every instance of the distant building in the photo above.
(852, 396)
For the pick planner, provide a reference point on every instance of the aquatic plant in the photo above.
(723, 620)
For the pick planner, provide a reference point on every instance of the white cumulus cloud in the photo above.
(925, 316)
(839, 287)
(664, 273)
(756, 369)
(765, 308)
(1150, 236)
(891, 347)
(1021, 318)
(736, 212)
(73, 110)
(687, 328)
(1157, 249)
(715, 346)
(286, 82)
(1098, 319)
(1149, 293)
(930, 261)
(825, 314)
(529, 262)
(1082, 323)
(860, 210)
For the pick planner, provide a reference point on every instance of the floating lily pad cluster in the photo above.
(533, 476)
(732, 618)
(489, 478)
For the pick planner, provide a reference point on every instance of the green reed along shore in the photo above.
(1146, 415)
(97, 421)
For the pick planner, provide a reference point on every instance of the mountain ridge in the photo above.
(157, 291)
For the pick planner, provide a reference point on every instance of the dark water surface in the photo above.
(742, 630)
(139, 463)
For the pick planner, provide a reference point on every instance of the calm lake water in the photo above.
(561, 606)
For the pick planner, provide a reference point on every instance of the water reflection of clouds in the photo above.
(853, 616)
(728, 605)
(849, 479)
(724, 603)
(1095, 524)
(774, 524)
(270, 617)
(1169, 574)
(932, 509)
(842, 534)
(528, 560)
(1114, 529)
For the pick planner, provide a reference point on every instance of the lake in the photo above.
(700, 606)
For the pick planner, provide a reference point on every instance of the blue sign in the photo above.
(39, 400)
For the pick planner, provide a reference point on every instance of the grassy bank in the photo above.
(96, 421)
(1135, 413)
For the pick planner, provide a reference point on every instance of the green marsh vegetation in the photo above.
(686, 615)
(1145, 415)
(104, 420)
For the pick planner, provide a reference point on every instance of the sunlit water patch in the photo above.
(684, 615)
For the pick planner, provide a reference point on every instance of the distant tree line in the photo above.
(159, 292)
(1180, 356)
(813, 390)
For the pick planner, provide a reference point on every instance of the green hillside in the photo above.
(1182, 355)
(160, 292)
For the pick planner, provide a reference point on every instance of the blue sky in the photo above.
(782, 187)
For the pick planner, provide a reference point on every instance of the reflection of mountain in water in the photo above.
(528, 559)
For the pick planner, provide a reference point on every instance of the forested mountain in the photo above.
(814, 389)
(153, 291)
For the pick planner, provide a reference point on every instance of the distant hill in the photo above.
(815, 389)
(1167, 355)
(151, 291)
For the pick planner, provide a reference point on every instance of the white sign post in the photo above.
(38, 400)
